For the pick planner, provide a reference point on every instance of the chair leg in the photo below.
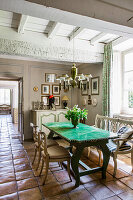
(115, 164)
(46, 173)
(41, 167)
(68, 169)
(39, 158)
(89, 150)
(34, 156)
(99, 160)
(132, 158)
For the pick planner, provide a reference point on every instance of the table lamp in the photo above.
(65, 99)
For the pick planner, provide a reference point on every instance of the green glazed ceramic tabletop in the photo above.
(82, 133)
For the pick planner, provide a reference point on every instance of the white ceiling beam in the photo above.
(119, 41)
(97, 38)
(75, 33)
(90, 15)
(22, 23)
(54, 29)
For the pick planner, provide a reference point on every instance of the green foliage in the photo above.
(130, 99)
(76, 113)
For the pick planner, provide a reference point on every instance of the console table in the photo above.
(40, 117)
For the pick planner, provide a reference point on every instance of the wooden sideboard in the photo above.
(43, 116)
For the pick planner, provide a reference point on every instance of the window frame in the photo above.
(124, 109)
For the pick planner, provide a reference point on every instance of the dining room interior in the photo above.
(66, 100)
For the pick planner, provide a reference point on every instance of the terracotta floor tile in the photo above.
(100, 192)
(19, 155)
(6, 170)
(50, 179)
(30, 194)
(59, 197)
(92, 183)
(27, 184)
(117, 187)
(5, 158)
(24, 174)
(8, 188)
(20, 161)
(98, 175)
(7, 177)
(22, 167)
(13, 196)
(126, 195)
(52, 189)
(80, 195)
(6, 164)
(119, 174)
(113, 198)
(128, 181)
(62, 176)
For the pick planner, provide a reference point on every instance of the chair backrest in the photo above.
(111, 124)
(44, 142)
(36, 137)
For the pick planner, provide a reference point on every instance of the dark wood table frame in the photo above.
(75, 159)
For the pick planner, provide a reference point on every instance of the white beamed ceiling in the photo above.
(36, 30)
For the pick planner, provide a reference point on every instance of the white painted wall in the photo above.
(33, 74)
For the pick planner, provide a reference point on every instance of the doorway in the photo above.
(11, 103)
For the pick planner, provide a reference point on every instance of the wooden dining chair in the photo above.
(37, 143)
(53, 154)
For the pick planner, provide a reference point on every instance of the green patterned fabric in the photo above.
(106, 78)
(82, 133)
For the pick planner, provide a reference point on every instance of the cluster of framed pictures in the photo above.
(45, 89)
(94, 86)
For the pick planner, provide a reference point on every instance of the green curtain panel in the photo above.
(107, 62)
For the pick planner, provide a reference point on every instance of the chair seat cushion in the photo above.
(51, 143)
(122, 130)
(57, 152)
(112, 146)
(127, 135)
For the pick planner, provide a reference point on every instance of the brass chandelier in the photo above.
(75, 80)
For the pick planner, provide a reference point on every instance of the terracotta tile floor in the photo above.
(20, 181)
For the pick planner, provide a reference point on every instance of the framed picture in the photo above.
(57, 100)
(45, 89)
(89, 101)
(50, 78)
(84, 90)
(45, 100)
(55, 89)
(95, 86)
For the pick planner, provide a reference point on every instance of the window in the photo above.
(4, 96)
(127, 91)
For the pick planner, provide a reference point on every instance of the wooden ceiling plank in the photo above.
(119, 41)
(97, 37)
(76, 33)
(54, 29)
(22, 23)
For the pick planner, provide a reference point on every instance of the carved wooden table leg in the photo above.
(75, 162)
(106, 157)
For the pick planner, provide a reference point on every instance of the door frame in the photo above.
(8, 78)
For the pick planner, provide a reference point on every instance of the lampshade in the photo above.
(65, 98)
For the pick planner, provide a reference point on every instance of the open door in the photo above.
(20, 109)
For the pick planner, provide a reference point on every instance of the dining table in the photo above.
(81, 137)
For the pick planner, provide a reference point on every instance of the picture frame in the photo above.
(45, 100)
(45, 89)
(55, 89)
(50, 78)
(57, 100)
(84, 90)
(95, 86)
